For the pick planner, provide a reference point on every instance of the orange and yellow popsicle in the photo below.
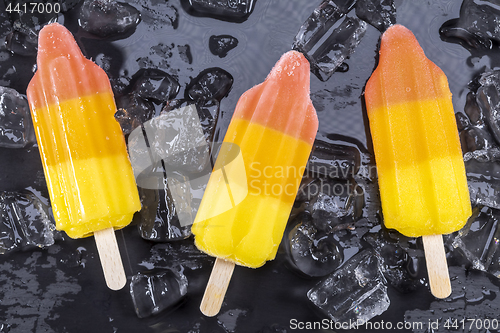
(274, 125)
(421, 172)
(84, 156)
(246, 204)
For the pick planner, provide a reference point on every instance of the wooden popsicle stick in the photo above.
(437, 267)
(216, 287)
(111, 260)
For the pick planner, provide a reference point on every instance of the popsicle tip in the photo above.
(399, 36)
(55, 40)
(292, 64)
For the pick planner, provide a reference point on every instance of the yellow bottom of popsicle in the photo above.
(246, 226)
(425, 210)
(421, 172)
(91, 207)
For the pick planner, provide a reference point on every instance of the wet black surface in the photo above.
(62, 289)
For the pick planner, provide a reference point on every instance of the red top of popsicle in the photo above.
(63, 72)
(285, 91)
(404, 73)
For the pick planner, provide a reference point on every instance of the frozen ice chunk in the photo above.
(328, 37)
(155, 85)
(477, 26)
(158, 217)
(312, 252)
(479, 240)
(335, 160)
(229, 10)
(220, 45)
(354, 292)
(379, 13)
(16, 130)
(208, 113)
(175, 141)
(133, 111)
(401, 267)
(153, 293)
(212, 83)
(337, 201)
(106, 18)
(488, 99)
(483, 179)
(24, 221)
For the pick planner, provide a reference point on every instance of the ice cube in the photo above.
(155, 85)
(24, 222)
(229, 10)
(334, 159)
(212, 83)
(488, 100)
(16, 130)
(173, 146)
(106, 18)
(328, 37)
(477, 26)
(208, 113)
(133, 111)
(312, 252)
(337, 201)
(483, 178)
(401, 267)
(158, 217)
(478, 241)
(155, 292)
(356, 291)
(220, 45)
(379, 13)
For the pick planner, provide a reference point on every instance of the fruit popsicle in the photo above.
(246, 205)
(89, 176)
(421, 173)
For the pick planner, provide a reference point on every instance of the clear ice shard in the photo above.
(379, 13)
(229, 10)
(220, 45)
(16, 129)
(356, 291)
(328, 37)
(311, 251)
(173, 146)
(108, 18)
(478, 241)
(24, 222)
(158, 218)
(155, 85)
(153, 293)
(212, 83)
